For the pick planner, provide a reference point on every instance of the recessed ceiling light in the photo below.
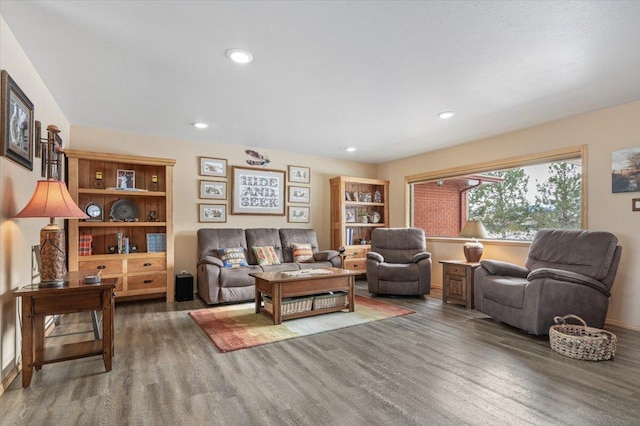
(200, 125)
(239, 56)
(351, 149)
(446, 114)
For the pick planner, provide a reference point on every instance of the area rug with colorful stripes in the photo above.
(234, 327)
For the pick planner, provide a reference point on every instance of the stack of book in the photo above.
(349, 236)
(123, 244)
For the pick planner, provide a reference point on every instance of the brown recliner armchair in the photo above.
(567, 272)
(398, 262)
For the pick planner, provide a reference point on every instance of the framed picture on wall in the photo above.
(299, 174)
(212, 212)
(258, 191)
(213, 189)
(299, 194)
(213, 167)
(298, 214)
(17, 127)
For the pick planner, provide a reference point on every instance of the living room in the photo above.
(612, 127)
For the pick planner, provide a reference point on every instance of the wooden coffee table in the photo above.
(279, 286)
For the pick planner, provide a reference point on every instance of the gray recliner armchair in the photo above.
(567, 272)
(398, 262)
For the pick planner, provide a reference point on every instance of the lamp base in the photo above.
(473, 251)
(52, 256)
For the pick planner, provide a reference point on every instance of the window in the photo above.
(513, 198)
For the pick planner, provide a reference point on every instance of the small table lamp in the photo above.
(52, 199)
(473, 249)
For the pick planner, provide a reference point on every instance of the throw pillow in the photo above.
(302, 252)
(266, 255)
(232, 257)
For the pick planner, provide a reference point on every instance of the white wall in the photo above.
(17, 185)
(186, 177)
(602, 131)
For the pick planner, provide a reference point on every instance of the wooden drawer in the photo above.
(145, 282)
(355, 264)
(95, 266)
(455, 270)
(149, 264)
(356, 252)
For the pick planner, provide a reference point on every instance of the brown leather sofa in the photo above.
(217, 284)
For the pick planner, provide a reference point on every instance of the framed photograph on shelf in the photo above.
(16, 114)
(299, 174)
(350, 214)
(212, 212)
(258, 191)
(125, 179)
(213, 189)
(213, 167)
(298, 214)
(299, 194)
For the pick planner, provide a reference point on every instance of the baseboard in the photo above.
(621, 324)
(10, 378)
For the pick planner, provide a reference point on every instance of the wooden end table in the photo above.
(457, 281)
(279, 286)
(73, 296)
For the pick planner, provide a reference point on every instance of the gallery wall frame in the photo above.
(257, 191)
(17, 123)
(298, 214)
(299, 194)
(212, 213)
(213, 189)
(216, 167)
(299, 174)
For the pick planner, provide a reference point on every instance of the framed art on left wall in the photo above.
(17, 123)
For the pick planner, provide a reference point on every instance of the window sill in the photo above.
(459, 240)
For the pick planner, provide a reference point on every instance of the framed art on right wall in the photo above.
(625, 170)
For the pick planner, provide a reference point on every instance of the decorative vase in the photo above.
(473, 251)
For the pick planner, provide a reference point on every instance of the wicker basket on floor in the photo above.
(289, 306)
(581, 341)
(330, 300)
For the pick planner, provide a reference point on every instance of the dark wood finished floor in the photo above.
(443, 365)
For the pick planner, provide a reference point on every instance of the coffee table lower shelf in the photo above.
(278, 287)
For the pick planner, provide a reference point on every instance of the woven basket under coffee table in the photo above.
(581, 341)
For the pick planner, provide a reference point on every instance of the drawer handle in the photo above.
(147, 281)
(147, 264)
(101, 267)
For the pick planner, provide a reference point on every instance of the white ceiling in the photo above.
(331, 74)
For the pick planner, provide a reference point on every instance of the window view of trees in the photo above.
(511, 209)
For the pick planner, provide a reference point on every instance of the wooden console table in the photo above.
(73, 296)
(279, 286)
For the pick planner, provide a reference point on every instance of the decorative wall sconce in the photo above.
(153, 186)
(98, 182)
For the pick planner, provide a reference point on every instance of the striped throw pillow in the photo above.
(266, 255)
(302, 252)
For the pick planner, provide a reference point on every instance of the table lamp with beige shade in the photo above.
(52, 199)
(473, 249)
